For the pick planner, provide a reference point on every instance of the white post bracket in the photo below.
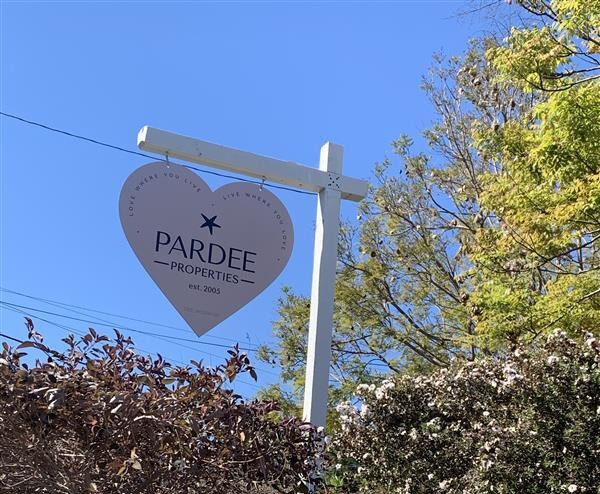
(331, 186)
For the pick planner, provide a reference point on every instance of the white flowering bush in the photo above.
(528, 422)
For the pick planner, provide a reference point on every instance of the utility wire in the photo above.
(167, 339)
(53, 323)
(130, 151)
(79, 333)
(147, 333)
(72, 330)
(16, 340)
(76, 136)
(64, 305)
(163, 337)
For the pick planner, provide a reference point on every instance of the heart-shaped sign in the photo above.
(209, 252)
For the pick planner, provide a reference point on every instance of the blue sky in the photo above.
(274, 78)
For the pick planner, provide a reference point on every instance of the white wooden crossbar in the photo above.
(242, 162)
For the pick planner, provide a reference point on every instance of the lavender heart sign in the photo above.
(209, 252)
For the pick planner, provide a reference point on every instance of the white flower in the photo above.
(344, 408)
(433, 422)
(387, 384)
(362, 388)
(572, 488)
(552, 359)
(557, 334)
(348, 413)
(590, 340)
(510, 374)
(381, 391)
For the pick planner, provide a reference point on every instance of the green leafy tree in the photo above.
(490, 237)
(543, 192)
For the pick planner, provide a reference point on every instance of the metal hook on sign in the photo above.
(262, 183)
(167, 159)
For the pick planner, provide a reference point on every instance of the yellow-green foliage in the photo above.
(579, 17)
(546, 191)
(530, 56)
(491, 238)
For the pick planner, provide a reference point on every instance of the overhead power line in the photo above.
(66, 328)
(16, 340)
(173, 340)
(147, 333)
(130, 151)
(169, 358)
(120, 316)
(72, 330)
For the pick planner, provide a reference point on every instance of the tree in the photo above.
(491, 237)
(544, 190)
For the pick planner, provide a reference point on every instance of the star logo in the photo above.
(210, 223)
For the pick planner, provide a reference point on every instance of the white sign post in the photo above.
(331, 187)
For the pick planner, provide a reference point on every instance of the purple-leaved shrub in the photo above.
(100, 418)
